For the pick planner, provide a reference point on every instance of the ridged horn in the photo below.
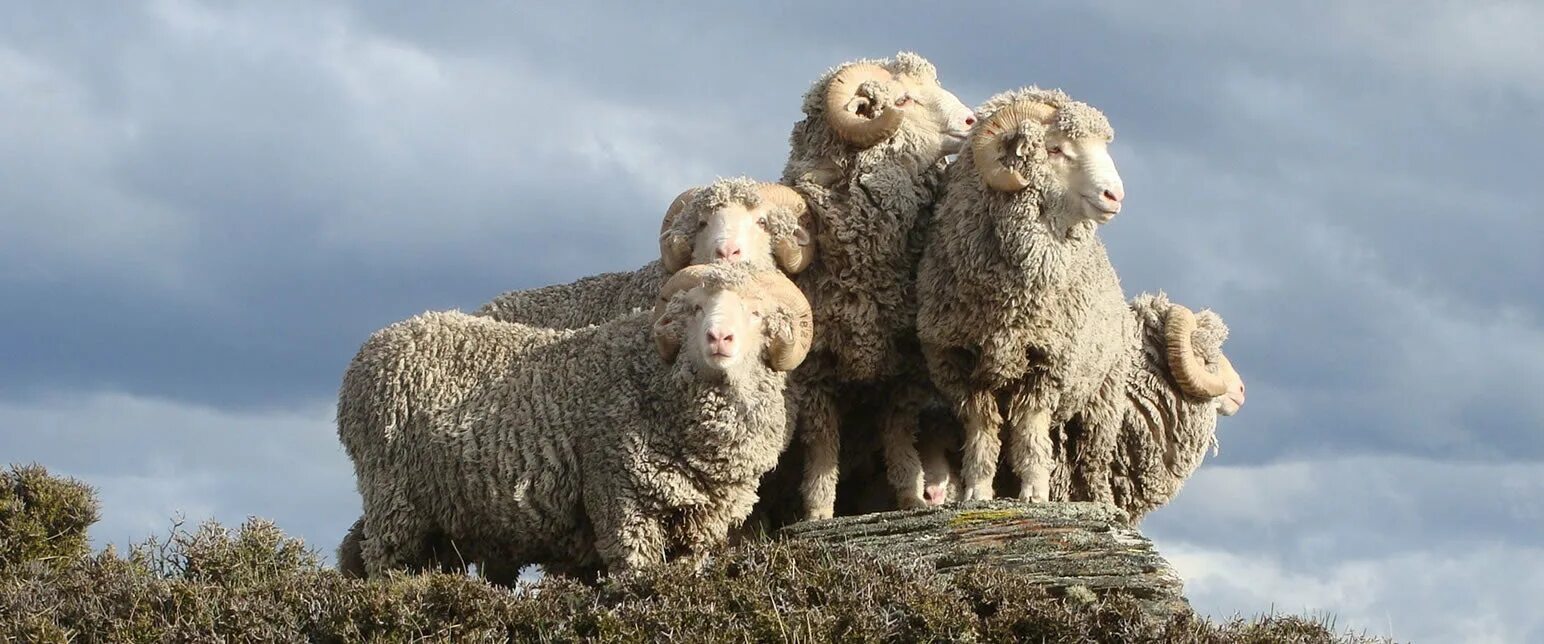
(986, 143)
(785, 351)
(855, 128)
(791, 255)
(675, 251)
(1188, 371)
(668, 344)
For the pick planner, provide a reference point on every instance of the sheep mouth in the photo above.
(953, 143)
(1101, 212)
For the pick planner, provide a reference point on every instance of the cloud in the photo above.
(1411, 595)
(208, 208)
(1417, 549)
(152, 459)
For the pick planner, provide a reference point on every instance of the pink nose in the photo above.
(730, 252)
(720, 342)
(970, 120)
(1116, 194)
(933, 494)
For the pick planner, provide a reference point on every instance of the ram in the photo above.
(867, 157)
(731, 220)
(1021, 316)
(505, 441)
(1180, 383)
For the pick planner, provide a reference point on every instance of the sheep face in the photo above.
(722, 331)
(940, 477)
(1044, 142)
(1230, 402)
(724, 320)
(737, 221)
(936, 116)
(1083, 177)
(736, 233)
(867, 103)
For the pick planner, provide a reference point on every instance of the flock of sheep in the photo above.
(901, 314)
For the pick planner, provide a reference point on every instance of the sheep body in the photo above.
(500, 438)
(870, 199)
(599, 298)
(1164, 433)
(1021, 315)
(583, 302)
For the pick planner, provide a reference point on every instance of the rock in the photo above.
(1073, 549)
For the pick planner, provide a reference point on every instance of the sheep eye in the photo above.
(1055, 149)
(902, 101)
(762, 222)
(696, 308)
(701, 224)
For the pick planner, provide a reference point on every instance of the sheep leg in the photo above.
(819, 427)
(1095, 457)
(1031, 451)
(978, 461)
(903, 465)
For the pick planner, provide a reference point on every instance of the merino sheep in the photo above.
(499, 438)
(867, 158)
(730, 220)
(1021, 316)
(1180, 382)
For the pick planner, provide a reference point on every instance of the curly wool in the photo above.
(1164, 434)
(1060, 337)
(607, 296)
(870, 204)
(500, 438)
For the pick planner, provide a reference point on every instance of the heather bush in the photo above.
(253, 583)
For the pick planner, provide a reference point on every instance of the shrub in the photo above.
(43, 519)
(255, 584)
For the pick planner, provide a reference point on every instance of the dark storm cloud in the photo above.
(204, 211)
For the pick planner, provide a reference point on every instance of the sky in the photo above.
(205, 208)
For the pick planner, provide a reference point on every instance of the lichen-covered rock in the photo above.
(1068, 548)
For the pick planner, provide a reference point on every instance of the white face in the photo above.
(724, 331)
(1087, 171)
(931, 108)
(1230, 402)
(940, 483)
(733, 234)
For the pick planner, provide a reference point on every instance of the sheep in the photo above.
(1021, 316)
(730, 220)
(867, 157)
(499, 438)
(1180, 382)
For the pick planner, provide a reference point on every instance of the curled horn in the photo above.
(984, 146)
(793, 253)
(1189, 373)
(675, 251)
(786, 348)
(852, 127)
(667, 342)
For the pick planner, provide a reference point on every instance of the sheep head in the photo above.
(722, 319)
(868, 102)
(1044, 141)
(738, 221)
(1196, 361)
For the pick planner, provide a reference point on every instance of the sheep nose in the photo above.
(933, 494)
(720, 342)
(729, 251)
(970, 120)
(1115, 194)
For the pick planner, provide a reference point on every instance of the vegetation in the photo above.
(253, 583)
